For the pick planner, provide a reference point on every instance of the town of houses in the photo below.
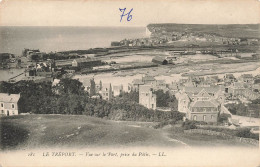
(158, 36)
(201, 98)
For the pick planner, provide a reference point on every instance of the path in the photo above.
(166, 136)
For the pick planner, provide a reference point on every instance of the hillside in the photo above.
(231, 30)
(48, 131)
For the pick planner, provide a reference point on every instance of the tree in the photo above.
(92, 87)
(70, 86)
(161, 98)
(223, 117)
(131, 96)
(164, 99)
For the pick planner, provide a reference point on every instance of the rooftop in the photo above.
(145, 88)
(106, 86)
(196, 90)
(9, 98)
(138, 82)
(210, 104)
(148, 78)
(159, 58)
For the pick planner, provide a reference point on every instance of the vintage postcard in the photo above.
(129, 83)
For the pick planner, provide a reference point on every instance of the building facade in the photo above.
(106, 91)
(117, 90)
(201, 103)
(9, 104)
(146, 97)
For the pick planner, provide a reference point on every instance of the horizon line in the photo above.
(121, 25)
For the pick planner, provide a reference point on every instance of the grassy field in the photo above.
(66, 131)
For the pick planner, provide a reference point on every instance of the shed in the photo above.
(160, 60)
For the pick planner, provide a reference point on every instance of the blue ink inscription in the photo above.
(129, 17)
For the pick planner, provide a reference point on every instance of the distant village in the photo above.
(159, 36)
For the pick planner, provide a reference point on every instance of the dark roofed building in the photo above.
(85, 62)
(159, 60)
(63, 63)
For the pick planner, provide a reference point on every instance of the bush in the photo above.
(69, 97)
(189, 125)
(223, 117)
(245, 133)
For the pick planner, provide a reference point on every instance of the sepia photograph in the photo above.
(129, 83)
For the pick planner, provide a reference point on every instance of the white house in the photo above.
(9, 104)
(146, 97)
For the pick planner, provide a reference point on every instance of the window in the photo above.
(12, 105)
(2, 104)
(204, 117)
(195, 117)
(106, 94)
(204, 109)
(2, 112)
(211, 116)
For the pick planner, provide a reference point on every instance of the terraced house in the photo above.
(9, 104)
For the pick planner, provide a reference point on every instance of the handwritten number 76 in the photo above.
(129, 17)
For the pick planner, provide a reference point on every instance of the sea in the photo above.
(15, 39)
(53, 39)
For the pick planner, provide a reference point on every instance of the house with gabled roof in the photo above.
(160, 60)
(200, 103)
(203, 110)
(9, 104)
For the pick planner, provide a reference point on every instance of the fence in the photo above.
(227, 136)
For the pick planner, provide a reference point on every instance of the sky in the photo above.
(107, 13)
